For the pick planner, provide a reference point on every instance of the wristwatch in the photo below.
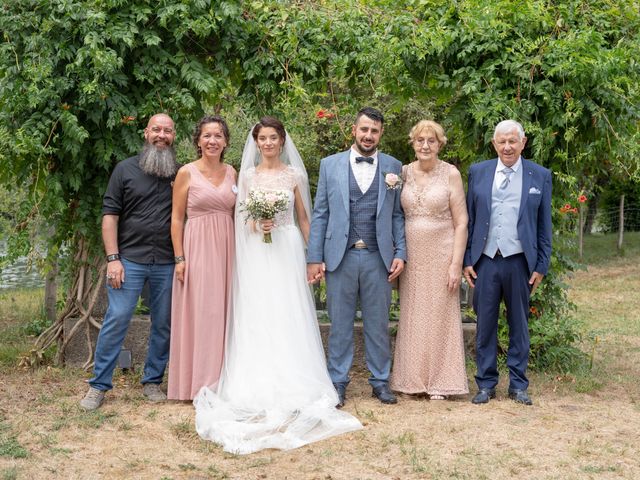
(179, 259)
(113, 257)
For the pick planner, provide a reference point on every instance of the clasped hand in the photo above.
(265, 225)
(315, 272)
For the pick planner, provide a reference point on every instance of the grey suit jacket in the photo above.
(330, 219)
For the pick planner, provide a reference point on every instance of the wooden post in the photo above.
(621, 223)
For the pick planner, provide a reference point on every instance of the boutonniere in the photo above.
(392, 181)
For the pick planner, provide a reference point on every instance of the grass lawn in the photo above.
(608, 300)
(600, 249)
(21, 316)
(608, 291)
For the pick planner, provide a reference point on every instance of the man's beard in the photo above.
(364, 150)
(159, 162)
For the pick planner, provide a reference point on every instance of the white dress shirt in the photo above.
(363, 172)
(499, 175)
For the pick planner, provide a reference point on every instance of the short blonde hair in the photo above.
(428, 126)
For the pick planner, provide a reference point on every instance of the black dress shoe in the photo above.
(383, 394)
(341, 390)
(520, 396)
(483, 395)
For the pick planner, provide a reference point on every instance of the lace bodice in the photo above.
(430, 200)
(281, 180)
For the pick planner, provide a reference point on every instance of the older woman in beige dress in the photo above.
(429, 354)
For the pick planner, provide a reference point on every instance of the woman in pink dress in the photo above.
(429, 353)
(202, 231)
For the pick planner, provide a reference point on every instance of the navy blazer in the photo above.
(330, 220)
(534, 218)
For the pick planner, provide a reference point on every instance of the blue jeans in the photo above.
(122, 303)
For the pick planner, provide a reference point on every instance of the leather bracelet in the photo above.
(113, 257)
(179, 259)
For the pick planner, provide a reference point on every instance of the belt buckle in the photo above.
(360, 245)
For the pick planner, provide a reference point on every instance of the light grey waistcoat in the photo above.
(503, 224)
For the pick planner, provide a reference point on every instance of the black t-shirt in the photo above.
(143, 204)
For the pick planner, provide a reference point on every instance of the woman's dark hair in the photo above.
(211, 119)
(272, 122)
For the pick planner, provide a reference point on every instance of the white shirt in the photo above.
(499, 176)
(363, 172)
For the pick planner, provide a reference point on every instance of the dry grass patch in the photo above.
(582, 426)
(564, 435)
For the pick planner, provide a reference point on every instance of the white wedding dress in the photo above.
(274, 390)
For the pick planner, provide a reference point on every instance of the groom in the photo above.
(357, 236)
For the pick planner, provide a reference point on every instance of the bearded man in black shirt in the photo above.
(136, 231)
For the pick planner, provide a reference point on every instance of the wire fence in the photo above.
(608, 220)
(623, 218)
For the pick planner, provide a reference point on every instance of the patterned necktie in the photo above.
(364, 159)
(507, 171)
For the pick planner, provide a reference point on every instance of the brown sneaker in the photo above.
(153, 393)
(92, 400)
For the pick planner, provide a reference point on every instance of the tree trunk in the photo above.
(592, 210)
(50, 292)
(81, 298)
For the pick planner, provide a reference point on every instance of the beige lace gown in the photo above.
(429, 353)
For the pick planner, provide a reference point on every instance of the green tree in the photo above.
(567, 70)
(79, 78)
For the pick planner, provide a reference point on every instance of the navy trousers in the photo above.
(502, 278)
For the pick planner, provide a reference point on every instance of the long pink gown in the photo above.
(429, 354)
(200, 304)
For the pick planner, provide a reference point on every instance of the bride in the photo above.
(274, 390)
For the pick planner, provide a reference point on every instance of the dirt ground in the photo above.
(579, 427)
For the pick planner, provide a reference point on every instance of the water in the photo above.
(18, 274)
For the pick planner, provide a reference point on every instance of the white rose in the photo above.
(391, 179)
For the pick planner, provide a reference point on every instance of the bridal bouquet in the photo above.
(264, 205)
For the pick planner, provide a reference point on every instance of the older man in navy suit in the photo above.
(357, 235)
(507, 256)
